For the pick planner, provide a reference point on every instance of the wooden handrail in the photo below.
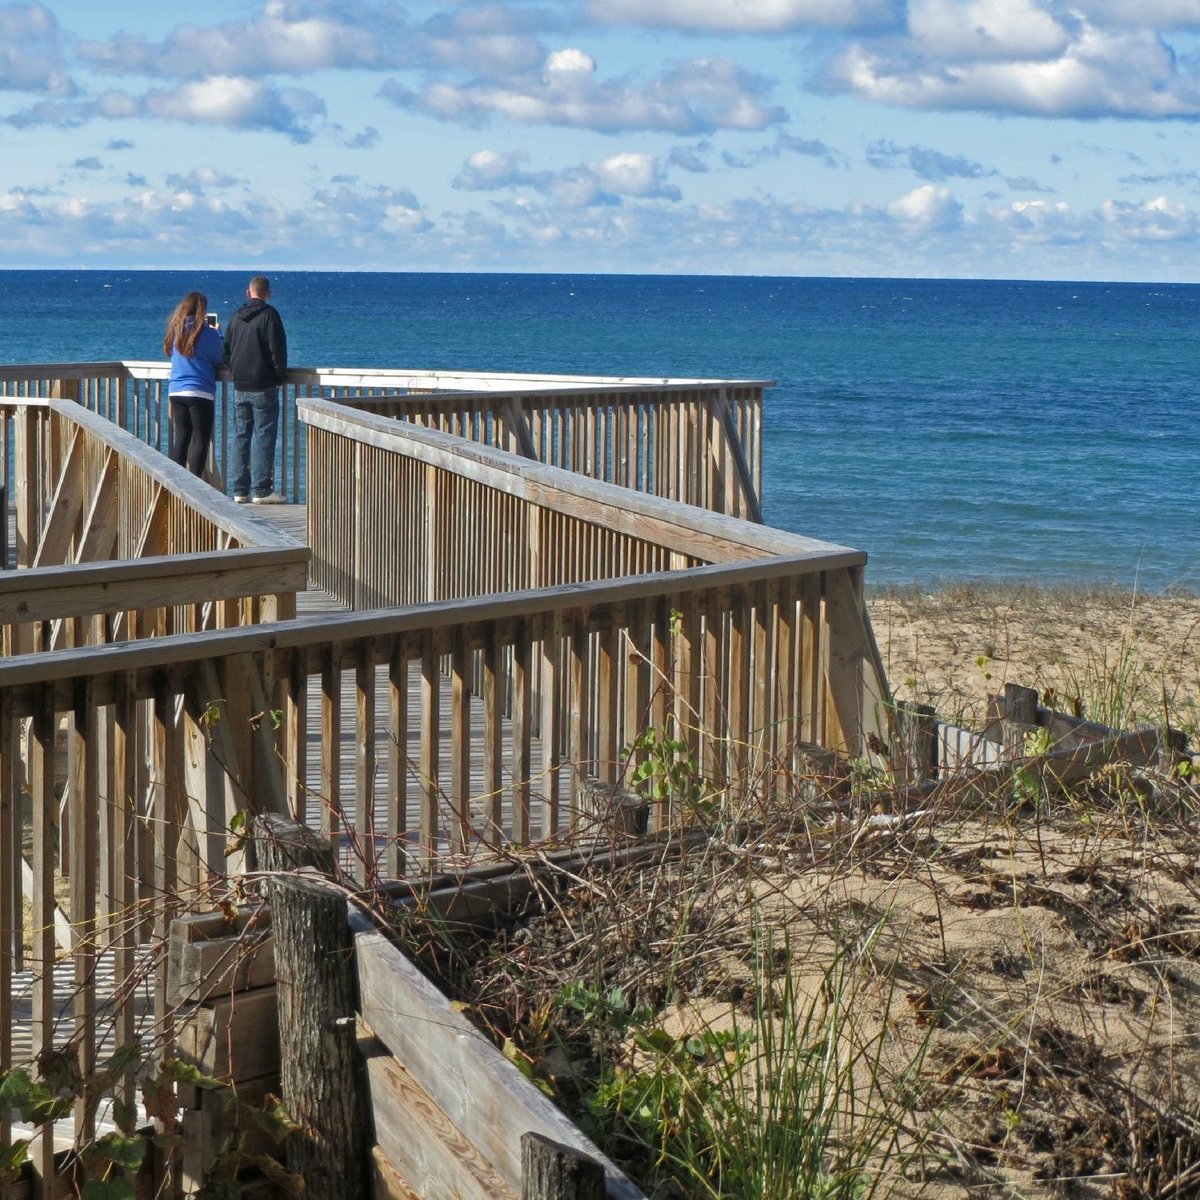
(107, 526)
(614, 421)
(723, 537)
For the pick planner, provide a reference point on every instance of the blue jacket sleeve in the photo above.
(212, 345)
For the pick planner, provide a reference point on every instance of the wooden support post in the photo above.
(552, 1171)
(315, 973)
(1020, 716)
(914, 745)
(28, 474)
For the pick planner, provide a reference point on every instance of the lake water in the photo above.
(952, 429)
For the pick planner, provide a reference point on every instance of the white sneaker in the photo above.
(273, 498)
(241, 499)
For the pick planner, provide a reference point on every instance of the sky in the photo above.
(1031, 139)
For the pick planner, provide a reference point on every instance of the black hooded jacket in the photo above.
(256, 347)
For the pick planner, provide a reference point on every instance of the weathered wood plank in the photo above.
(483, 1094)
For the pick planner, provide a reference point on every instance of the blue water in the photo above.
(952, 429)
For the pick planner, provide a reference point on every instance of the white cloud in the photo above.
(986, 29)
(571, 60)
(744, 16)
(288, 38)
(695, 97)
(610, 181)
(631, 175)
(927, 208)
(31, 51)
(1100, 73)
(1039, 222)
(925, 232)
(1157, 220)
(235, 103)
(486, 169)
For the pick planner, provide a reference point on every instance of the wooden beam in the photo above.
(62, 519)
(98, 540)
(844, 666)
(48, 593)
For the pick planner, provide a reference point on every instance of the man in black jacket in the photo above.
(256, 355)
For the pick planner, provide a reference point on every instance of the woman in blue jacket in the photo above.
(196, 350)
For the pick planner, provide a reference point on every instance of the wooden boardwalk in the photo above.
(361, 851)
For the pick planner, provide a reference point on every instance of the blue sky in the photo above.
(974, 138)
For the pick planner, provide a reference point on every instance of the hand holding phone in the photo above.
(211, 318)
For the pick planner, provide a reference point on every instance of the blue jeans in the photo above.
(252, 458)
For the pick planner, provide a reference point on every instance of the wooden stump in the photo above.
(284, 845)
(552, 1171)
(612, 810)
(314, 968)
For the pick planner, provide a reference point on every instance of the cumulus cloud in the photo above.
(235, 103)
(987, 30)
(1157, 220)
(607, 181)
(119, 144)
(927, 209)
(745, 16)
(31, 51)
(695, 97)
(1040, 223)
(91, 163)
(292, 38)
(639, 175)
(488, 169)
(355, 218)
(925, 231)
(975, 56)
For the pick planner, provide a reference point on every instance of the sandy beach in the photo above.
(1121, 656)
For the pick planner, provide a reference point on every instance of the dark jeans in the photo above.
(191, 432)
(252, 455)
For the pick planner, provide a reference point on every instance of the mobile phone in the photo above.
(211, 318)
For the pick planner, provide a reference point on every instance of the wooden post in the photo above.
(1020, 716)
(552, 1171)
(915, 743)
(285, 845)
(315, 977)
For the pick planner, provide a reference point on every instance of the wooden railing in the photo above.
(113, 541)
(699, 441)
(777, 651)
(739, 661)
(542, 621)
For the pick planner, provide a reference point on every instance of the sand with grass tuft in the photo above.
(1124, 656)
